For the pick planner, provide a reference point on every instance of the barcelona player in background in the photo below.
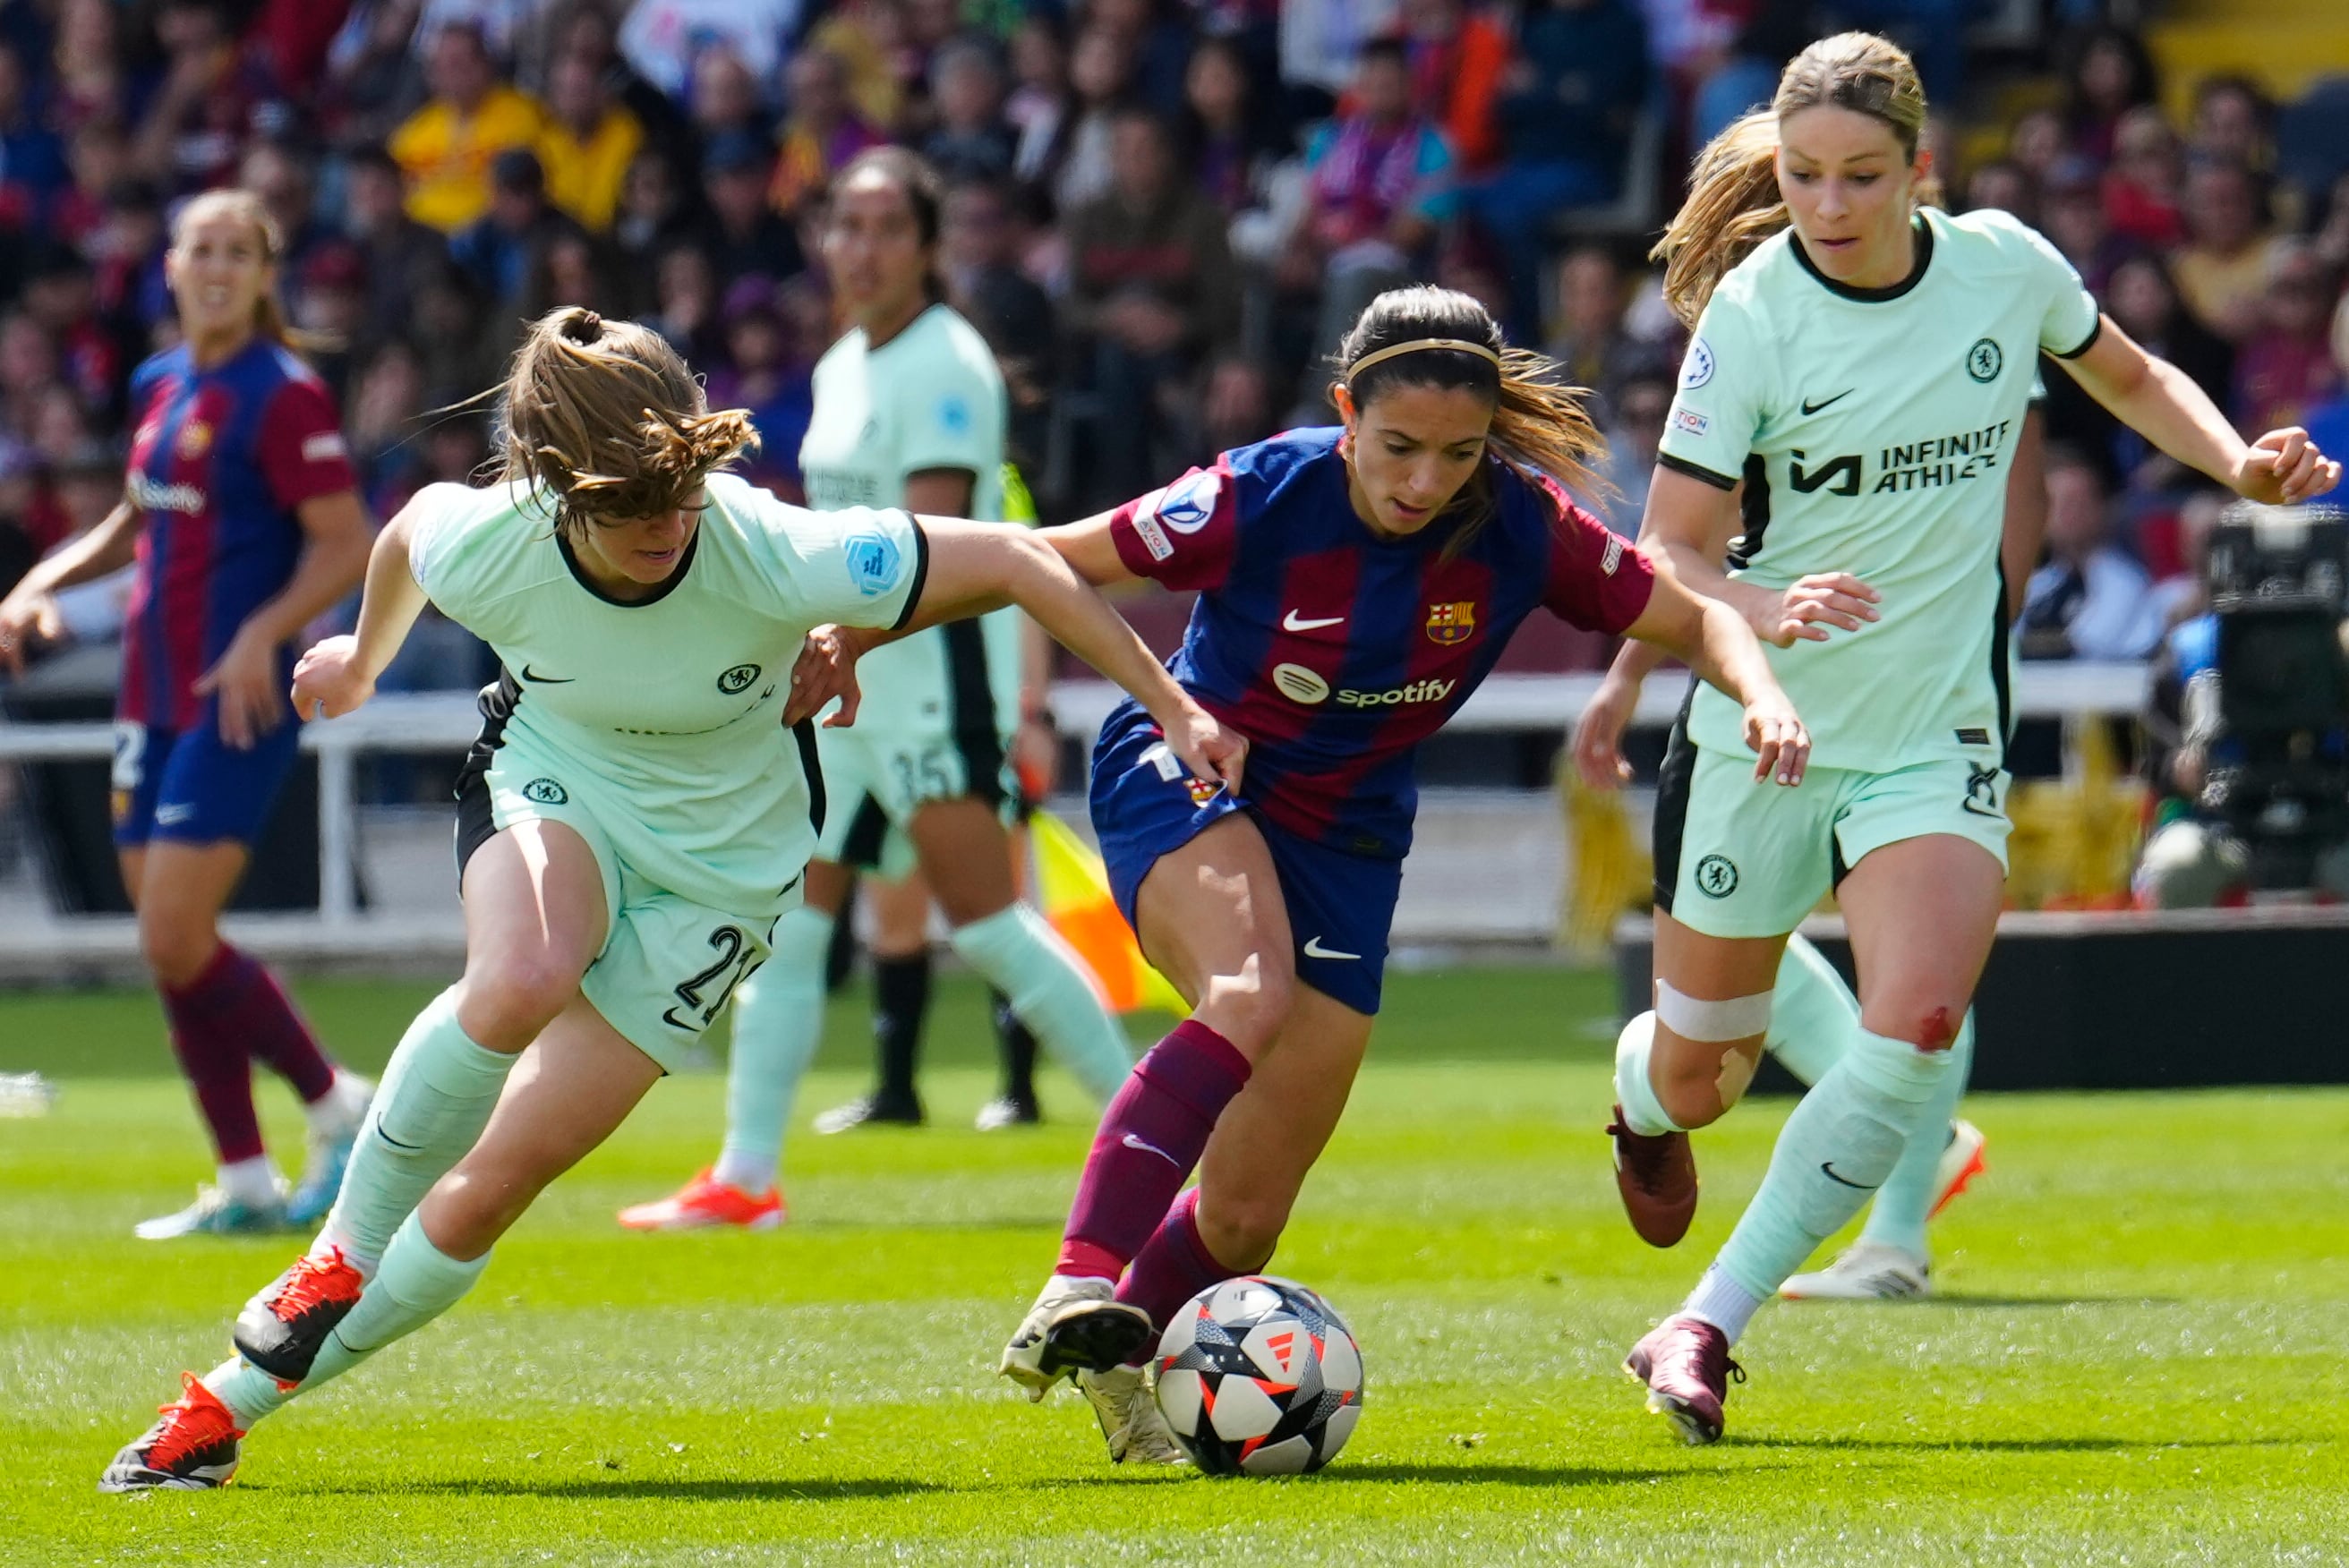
(242, 511)
(1356, 584)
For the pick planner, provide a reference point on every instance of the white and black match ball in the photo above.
(1258, 1377)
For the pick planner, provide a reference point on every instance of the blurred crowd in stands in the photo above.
(1160, 212)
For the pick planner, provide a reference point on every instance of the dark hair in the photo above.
(2143, 86)
(924, 195)
(1392, 50)
(1539, 426)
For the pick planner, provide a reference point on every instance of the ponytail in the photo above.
(1734, 202)
(1733, 206)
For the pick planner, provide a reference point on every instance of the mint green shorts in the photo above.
(667, 963)
(1734, 858)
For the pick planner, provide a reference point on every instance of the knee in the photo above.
(504, 1002)
(175, 944)
(1249, 1006)
(1928, 1022)
(469, 1208)
(1697, 1084)
(1241, 1231)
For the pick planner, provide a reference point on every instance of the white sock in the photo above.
(1721, 1302)
(341, 1108)
(252, 1182)
(753, 1173)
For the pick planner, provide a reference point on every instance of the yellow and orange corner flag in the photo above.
(1073, 889)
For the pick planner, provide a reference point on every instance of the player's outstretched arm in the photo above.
(1089, 550)
(1716, 641)
(2162, 403)
(339, 674)
(980, 566)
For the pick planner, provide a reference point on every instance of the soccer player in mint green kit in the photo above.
(1812, 1011)
(631, 824)
(909, 411)
(1863, 371)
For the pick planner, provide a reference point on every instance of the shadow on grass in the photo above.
(2009, 1445)
(2019, 1301)
(593, 1488)
(1470, 1474)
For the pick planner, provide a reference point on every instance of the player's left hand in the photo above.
(2283, 468)
(1775, 733)
(825, 669)
(245, 682)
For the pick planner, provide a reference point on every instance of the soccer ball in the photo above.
(1258, 1377)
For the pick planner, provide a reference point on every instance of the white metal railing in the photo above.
(447, 721)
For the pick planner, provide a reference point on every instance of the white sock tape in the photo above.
(1739, 1018)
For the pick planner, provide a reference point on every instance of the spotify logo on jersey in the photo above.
(1301, 685)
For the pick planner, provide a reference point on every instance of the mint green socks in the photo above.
(1050, 992)
(436, 1097)
(1905, 1201)
(416, 1283)
(1838, 1147)
(778, 1024)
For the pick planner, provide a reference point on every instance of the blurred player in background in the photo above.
(909, 411)
(1356, 584)
(631, 822)
(1871, 347)
(243, 516)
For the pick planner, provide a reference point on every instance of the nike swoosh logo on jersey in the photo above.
(1811, 408)
(1827, 1167)
(1313, 949)
(1292, 622)
(167, 815)
(1131, 1141)
(529, 674)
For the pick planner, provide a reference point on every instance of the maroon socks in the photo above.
(230, 1013)
(1151, 1138)
(1172, 1266)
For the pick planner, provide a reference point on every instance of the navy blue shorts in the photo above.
(190, 787)
(1341, 906)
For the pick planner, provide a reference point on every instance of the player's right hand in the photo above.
(1775, 734)
(825, 669)
(1812, 605)
(1598, 743)
(328, 680)
(1208, 748)
(26, 619)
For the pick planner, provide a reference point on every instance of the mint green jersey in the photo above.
(1873, 429)
(930, 397)
(665, 713)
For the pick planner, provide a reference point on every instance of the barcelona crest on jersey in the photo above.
(1450, 624)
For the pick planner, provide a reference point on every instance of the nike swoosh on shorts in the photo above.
(1313, 949)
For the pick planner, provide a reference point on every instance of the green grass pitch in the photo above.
(2139, 1357)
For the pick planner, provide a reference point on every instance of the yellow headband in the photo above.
(1415, 346)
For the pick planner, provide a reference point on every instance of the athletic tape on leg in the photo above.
(1715, 1023)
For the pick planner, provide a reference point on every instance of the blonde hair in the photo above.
(605, 416)
(247, 207)
(1734, 203)
(1539, 427)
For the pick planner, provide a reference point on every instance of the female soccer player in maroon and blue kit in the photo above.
(1355, 585)
(242, 514)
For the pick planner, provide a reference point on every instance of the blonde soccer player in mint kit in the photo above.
(1865, 372)
(631, 824)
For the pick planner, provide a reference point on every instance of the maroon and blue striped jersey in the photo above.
(221, 459)
(1337, 651)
